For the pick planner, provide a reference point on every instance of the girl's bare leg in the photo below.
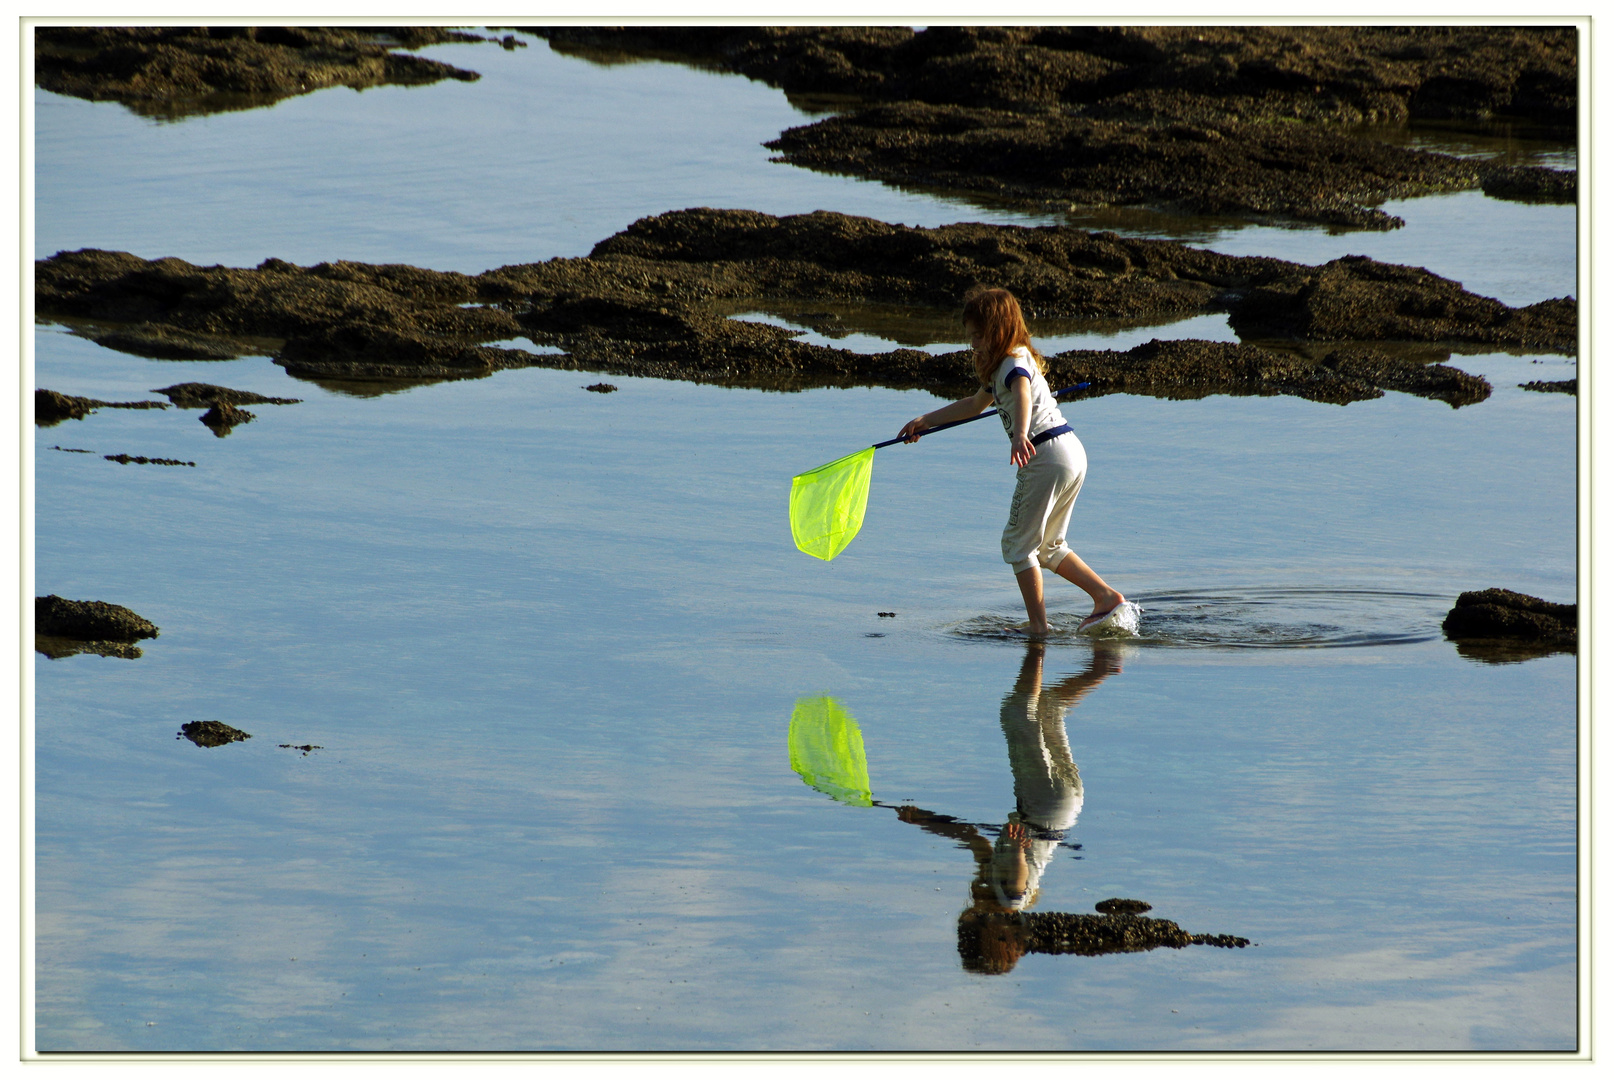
(1030, 582)
(1082, 576)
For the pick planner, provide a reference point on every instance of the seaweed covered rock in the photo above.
(655, 300)
(1319, 74)
(1504, 615)
(223, 416)
(1054, 161)
(193, 395)
(210, 733)
(175, 71)
(1358, 298)
(89, 620)
(51, 408)
(1189, 369)
(1243, 121)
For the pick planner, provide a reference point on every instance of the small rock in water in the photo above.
(211, 733)
(1115, 905)
(89, 620)
(141, 459)
(601, 388)
(1508, 615)
(886, 614)
(223, 416)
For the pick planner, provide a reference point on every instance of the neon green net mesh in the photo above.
(826, 750)
(827, 503)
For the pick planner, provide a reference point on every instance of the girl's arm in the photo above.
(1020, 448)
(962, 409)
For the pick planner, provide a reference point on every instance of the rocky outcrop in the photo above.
(175, 71)
(1253, 122)
(89, 620)
(654, 300)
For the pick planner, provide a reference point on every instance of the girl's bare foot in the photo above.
(1102, 606)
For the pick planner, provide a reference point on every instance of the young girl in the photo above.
(1051, 460)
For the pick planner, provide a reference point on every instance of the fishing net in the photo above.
(827, 503)
(826, 750)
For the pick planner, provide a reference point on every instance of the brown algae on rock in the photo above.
(655, 299)
(1254, 122)
(65, 628)
(140, 459)
(89, 620)
(177, 71)
(51, 408)
(223, 416)
(204, 395)
(1118, 906)
(1502, 626)
(210, 733)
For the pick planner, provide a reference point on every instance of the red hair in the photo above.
(996, 314)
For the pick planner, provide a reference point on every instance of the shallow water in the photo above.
(550, 644)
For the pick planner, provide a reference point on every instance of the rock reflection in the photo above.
(997, 928)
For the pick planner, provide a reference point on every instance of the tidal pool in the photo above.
(549, 644)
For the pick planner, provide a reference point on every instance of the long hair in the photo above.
(996, 313)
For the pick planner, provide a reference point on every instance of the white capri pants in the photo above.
(1044, 496)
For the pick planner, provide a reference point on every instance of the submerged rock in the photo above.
(1502, 625)
(176, 71)
(1552, 386)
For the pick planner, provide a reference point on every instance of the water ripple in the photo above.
(1270, 618)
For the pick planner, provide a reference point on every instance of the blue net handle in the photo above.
(972, 419)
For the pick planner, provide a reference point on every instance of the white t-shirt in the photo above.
(1045, 412)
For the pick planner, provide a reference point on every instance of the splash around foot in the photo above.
(1120, 621)
(1261, 618)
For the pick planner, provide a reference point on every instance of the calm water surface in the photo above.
(550, 642)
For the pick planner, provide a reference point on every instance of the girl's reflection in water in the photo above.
(992, 933)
